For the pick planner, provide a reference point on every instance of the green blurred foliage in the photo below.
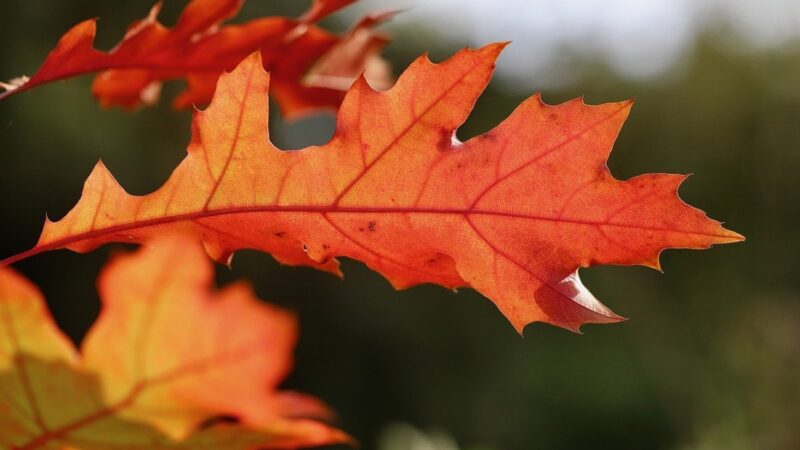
(709, 360)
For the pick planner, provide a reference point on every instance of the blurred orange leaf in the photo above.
(512, 213)
(165, 359)
(198, 49)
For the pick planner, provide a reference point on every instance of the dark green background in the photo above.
(709, 360)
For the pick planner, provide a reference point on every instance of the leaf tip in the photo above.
(613, 318)
(733, 236)
(86, 29)
(722, 235)
(625, 107)
(492, 51)
(100, 174)
(251, 62)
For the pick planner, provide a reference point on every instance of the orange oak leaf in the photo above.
(165, 358)
(512, 213)
(198, 49)
(327, 78)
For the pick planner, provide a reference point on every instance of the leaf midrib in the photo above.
(326, 209)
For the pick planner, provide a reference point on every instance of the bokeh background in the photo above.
(711, 356)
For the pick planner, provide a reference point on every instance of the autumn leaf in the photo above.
(512, 213)
(165, 359)
(198, 49)
(325, 82)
